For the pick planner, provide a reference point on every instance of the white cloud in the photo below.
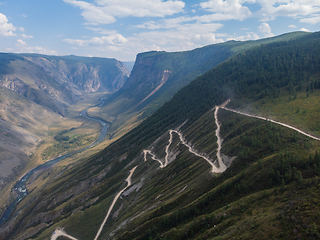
(227, 9)
(185, 37)
(248, 36)
(288, 8)
(192, 34)
(266, 30)
(26, 36)
(113, 39)
(36, 49)
(183, 31)
(167, 23)
(106, 11)
(312, 20)
(21, 29)
(304, 30)
(20, 42)
(6, 29)
(102, 30)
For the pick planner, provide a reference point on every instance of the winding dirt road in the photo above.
(128, 180)
(60, 232)
(145, 152)
(221, 168)
(273, 121)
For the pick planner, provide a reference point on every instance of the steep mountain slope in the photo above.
(157, 76)
(87, 74)
(156, 72)
(271, 168)
(23, 125)
(56, 82)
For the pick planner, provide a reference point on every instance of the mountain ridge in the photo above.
(145, 81)
(184, 200)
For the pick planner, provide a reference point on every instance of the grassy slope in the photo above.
(185, 200)
(248, 200)
(301, 112)
(128, 149)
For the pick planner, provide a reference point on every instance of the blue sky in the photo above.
(122, 28)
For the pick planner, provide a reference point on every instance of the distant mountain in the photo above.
(88, 74)
(56, 82)
(269, 190)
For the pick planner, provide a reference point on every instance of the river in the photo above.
(20, 187)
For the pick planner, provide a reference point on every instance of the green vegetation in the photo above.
(271, 189)
(66, 144)
(261, 185)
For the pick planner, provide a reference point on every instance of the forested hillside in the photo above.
(247, 77)
(269, 191)
(157, 76)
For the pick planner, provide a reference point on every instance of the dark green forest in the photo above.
(259, 72)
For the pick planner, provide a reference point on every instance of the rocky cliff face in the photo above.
(146, 78)
(157, 76)
(87, 74)
(56, 82)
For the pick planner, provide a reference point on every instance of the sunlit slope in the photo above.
(56, 82)
(84, 74)
(273, 171)
(30, 81)
(24, 124)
